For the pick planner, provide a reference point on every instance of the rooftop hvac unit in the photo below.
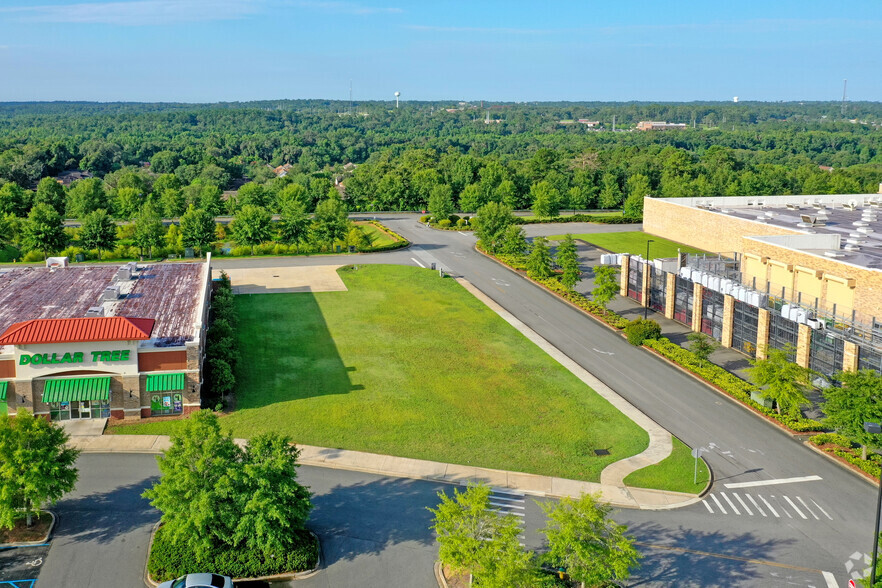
(56, 262)
(816, 324)
(95, 311)
(124, 272)
(111, 293)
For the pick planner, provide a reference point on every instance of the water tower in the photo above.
(397, 94)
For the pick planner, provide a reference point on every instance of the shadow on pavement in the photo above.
(104, 516)
(365, 518)
(670, 567)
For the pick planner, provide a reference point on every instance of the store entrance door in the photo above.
(85, 409)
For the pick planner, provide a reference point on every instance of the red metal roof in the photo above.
(77, 330)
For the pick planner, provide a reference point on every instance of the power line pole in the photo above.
(844, 95)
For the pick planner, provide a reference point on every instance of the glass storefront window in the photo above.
(166, 403)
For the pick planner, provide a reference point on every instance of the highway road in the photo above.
(818, 523)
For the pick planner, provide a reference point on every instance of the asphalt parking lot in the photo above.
(20, 566)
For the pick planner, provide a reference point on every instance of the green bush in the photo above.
(444, 223)
(425, 218)
(168, 560)
(639, 330)
(461, 223)
(580, 218)
(834, 438)
(33, 256)
(454, 218)
(727, 382)
(240, 251)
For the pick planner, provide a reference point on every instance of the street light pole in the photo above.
(646, 269)
(875, 429)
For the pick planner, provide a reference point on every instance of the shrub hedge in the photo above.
(169, 560)
(402, 242)
(580, 218)
(639, 330)
(728, 382)
(840, 446)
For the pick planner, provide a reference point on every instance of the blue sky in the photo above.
(515, 50)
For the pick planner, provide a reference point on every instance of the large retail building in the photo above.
(98, 341)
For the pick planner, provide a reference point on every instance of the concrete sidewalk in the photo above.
(402, 467)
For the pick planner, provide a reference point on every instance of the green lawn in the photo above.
(633, 242)
(378, 237)
(675, 473)
(410, 364)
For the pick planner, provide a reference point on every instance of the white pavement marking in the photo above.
(808, 508)
(789, 516)
(504, 505)
(773, 482)
(831, 581)
(732, 504)
(742, 503)
(707, 506)
(719, 505)
(796, 508)
(821, 509)
(463, 234)
(506, 491)
(769, 506)
(757, 506)
(418, 263)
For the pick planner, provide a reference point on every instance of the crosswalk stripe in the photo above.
(505, 512)
(796, 508)
(732, 504)
(784, 510)
(769, 506)
(821, 509)
(509, 492)
(719, 505)
(707, 506)
(757, 506)
(503, 505)
(808, 508)
(742, 503)
(519, 500)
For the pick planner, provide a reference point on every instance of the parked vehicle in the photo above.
(199, 581)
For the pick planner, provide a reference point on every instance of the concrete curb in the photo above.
(151, 583)
(856, 471)
(38, 542)
(439, 575)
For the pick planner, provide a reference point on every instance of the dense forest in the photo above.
(219, 158)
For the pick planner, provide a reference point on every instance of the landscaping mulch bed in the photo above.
(21, 533)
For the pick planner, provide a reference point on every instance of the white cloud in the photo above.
(136, 12)
(346, 7)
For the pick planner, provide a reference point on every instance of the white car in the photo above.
(199, 581)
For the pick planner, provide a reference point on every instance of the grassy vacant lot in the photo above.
(633, 242)
(378, 237)
(674, 473)
(410, 364)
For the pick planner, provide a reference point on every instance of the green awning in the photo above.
(165, 382)
(3, 386)
(76, 389)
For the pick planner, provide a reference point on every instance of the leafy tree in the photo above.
(638, 187)
(514, 241)
(50, 192)
(252, 194)
(506, 193)
(44, 230)
(214, 174)
(252, 226)
(491, 222)
(610, 193)
(606, 284)
(546, 200)
(197, 229)
(568, 260)
(474, 539)
(148, 229)
(13, 200)
(128, 202)
(702, 346)
(331, 221)
(293, 193)
(539, 260)
(583, 539)
(471, 198)
(98, 231)
(85, 196)
(172, 202)
(441, 202)
(167, 181)
(196, 492)
(173, 238)
(272, 504)
(294, 223)
(36, 466)
(785, 382)
(857, 401)
(164, 162)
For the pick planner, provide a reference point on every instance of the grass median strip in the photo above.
(633, 242)
(409, 364)
(674, 473)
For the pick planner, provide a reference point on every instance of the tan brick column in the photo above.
(850, 356)
(804, 346)
(728, 319)
(131, 396)
(670, 295)
(762, 333)
(623, 277)
(697, 304)
(646, 276)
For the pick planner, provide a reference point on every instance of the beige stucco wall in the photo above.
(129, 366)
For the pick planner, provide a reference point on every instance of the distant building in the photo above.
(282, 170)
(825, 168)
(646, 125)
(67, 178)
(589, 123)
